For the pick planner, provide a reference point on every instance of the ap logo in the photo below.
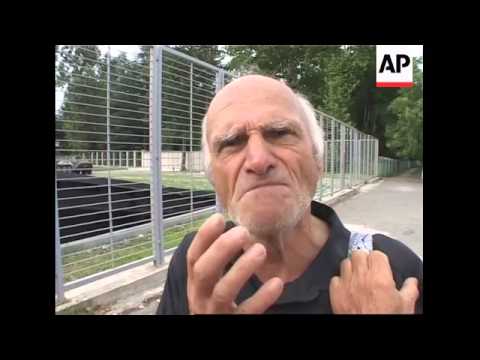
(394, 66)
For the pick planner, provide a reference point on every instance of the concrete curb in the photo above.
(91, 298)
(348, 193)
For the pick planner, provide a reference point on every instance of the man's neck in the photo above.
(290, 252)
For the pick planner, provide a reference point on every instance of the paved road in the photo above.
(393, 206)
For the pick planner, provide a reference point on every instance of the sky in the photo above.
(132, 51)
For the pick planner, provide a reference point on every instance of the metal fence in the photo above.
(105, 112)
(130, 182)
(392, 167)
(350, 157)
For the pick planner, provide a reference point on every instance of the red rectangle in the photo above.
(395, 84)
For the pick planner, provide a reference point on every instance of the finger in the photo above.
(227, 289)
(410, 293)
(359, 261)
(206, 235)
(335, 284)
(346, 269)
(378, 263)
(334, 292)
(263, 298)
(210, 266)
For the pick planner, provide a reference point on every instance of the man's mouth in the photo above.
(258, 186)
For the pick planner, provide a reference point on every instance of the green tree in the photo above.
(77, 72)
(129, 104)
(82, 119)
(404, 132)
(187, 90)
(302, 67)
(327, 74)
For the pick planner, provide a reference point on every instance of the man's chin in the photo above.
(262, 221)
(270, 214)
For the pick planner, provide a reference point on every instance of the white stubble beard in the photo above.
(287, 221)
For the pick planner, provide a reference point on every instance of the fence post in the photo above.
(376, 157)
(109, 177)
(370, 155)
(322, 125)
(220, 79)
(134, 159)
(59, 279)
(189, 158)
(126, 159)
(350, 154)
(359, 157)
(332, 155)
(342, 156)
(366, 157)
(363, 159)
(156, 62)
(352, 158)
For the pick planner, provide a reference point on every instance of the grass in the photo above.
(196, 181)
(91, 261)
(183, 180)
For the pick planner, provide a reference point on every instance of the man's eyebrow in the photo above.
(219, 140)
(282, 124)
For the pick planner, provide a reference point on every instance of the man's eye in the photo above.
(235, 141)
(232, 142)
(278, 133)
(282, 132)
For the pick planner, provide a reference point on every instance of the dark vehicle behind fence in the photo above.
(74, 165)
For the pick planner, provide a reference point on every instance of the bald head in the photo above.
(250, 89)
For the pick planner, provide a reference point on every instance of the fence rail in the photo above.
(128, 187)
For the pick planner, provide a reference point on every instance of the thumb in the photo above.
(410, 293)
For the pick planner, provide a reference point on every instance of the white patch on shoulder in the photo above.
(360, 241)
(364, 229)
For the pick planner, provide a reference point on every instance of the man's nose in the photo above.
(258, 159)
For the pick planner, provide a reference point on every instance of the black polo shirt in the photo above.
(309, 294)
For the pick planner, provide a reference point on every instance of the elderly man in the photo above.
(282, 252)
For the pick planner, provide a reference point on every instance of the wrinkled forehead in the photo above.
(257, 101)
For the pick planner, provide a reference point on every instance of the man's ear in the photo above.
(319, 163)
(209, 175)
